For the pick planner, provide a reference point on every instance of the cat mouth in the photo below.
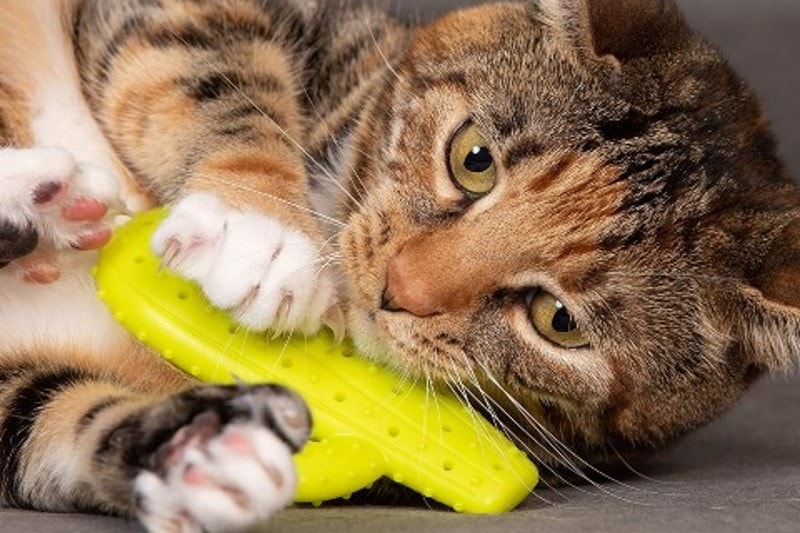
(387, 337)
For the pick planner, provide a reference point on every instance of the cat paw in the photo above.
(47, 198)
(266, 275)
(229, 468)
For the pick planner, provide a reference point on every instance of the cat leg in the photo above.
(227, 468)
(205, 459)
(50, 201)
(213, 125)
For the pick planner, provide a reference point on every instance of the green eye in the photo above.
(472, 167)
(553, 321)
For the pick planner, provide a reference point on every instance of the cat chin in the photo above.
(366, 335)
(372, 340)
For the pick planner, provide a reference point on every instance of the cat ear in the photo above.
(766, 315)
(619, 30)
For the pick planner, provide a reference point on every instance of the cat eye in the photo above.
(553, 321)
(472, 167)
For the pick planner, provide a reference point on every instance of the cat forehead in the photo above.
(486, 44)
(513, 75)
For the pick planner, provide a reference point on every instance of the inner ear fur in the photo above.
(767, 307)
(778, 276)
(617, 30)
(626, 29)
(769, 331)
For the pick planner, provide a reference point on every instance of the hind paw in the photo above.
(225, 474)
(49, 201)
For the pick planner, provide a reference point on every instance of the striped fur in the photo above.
(637, 182)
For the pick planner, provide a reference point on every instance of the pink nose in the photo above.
(407, 291)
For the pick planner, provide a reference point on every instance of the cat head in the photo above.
(571, 212)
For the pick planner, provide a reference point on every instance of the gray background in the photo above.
(740, 473)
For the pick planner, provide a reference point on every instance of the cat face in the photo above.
(578, 225)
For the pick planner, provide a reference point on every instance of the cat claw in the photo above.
(334, 320)
(248, 300)
(282, 314)
(170, 257)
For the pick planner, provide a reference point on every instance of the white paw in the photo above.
(268, 276)
(46, 193)
(229, 482)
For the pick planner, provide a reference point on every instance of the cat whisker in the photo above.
(462, 393)
(329, 240)
(554, 450)
(559, 449)
(321, 216)
(551, 444)
(468, 397)
(334, 139)
(389, 66)
(639, 474)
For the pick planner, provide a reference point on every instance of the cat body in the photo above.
(568, 212)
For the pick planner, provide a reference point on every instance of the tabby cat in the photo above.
(570, 212)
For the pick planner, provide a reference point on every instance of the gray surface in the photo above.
(741, 473)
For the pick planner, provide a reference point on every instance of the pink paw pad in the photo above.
(93, 239)
(84, 209)
(196, 434)
(40, 268)
(195, 477)
(42, 274)
(238, 443)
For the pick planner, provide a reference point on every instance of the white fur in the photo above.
(23, 169)
(62, 314)
(247, 263)
(69, 147)
(242, 489)
(243, 259)
(61, 116)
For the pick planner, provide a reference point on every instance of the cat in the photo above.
(569, 212)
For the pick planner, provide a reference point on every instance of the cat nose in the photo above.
(404, 292)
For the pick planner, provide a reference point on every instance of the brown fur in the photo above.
(637, 182)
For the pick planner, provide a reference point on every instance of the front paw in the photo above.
(266, 275)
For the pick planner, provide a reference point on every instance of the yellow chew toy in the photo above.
(368, 422)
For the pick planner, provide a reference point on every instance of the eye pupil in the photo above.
(478, 160)
(552, 320)
(563, 321)
(472, 168)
